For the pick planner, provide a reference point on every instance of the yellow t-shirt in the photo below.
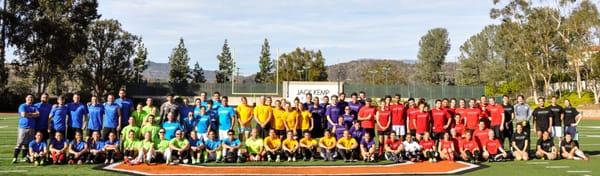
(244, 111)
(279, 118)
(272, 142)
(328, 142)
(308, 142)
(347, 143)
(290, 143)
(262, 112)
(306, 118)
(291, 118)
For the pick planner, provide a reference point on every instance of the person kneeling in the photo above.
(492, 150)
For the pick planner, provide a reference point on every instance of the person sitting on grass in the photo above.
(150, 126)
(95, 146)
(196, 147)
(178, 149)
(58, 148)
(428, 147)
(327, 146)
(290, 146)
(38, 149)
(520, 144)
(161, 145)
(347, 147)
(308, 147)
(446, 147)
(254, 146)
(368, 151)
(145, 150)
(570, 149)
(492, 150)
(213, 148)
(393, 148)
(411, 148)
(545, 147)
(111, 148)
(469, 149)
(272, 145)
(77, 149)
(231, 147)
(129, 147)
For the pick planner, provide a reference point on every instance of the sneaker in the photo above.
(112, 161)
(14, 160)
(294, 159)
(269, 158)
(71, 162)
(42, 162)
(289, 159)
(312, 159)
(106, 161)
(434, 160)
(25, 159)
(79, 162)
(304, 159)
(35, 163)
(185, 161)
(278, 159)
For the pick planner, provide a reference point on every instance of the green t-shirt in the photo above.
(125, 132)
(253, 145)
(162, 145)
(179, 143)
(139, 117)
(129, 144)
(153, 129)
(146, 145)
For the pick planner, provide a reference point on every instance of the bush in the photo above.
(587, 97)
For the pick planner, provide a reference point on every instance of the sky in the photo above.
(344, 30)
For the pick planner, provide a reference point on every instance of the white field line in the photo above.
(557, 167)
(579, 171)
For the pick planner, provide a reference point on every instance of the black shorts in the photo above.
(280, 133)
(386, 132)
(371, 131)
(541, 127)
(437, 136)
(497, 132)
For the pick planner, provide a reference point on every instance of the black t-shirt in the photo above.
(570, 114)
(546, 144)
(569, 145)
(542, 116)
(519, 139)
(556, 112)
(508, 111)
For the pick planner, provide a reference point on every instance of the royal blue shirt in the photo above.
(183, 112)
(95, 116)
(76, 113)
(98, 145)
(111, 115)
(189, 124)
(354, 107)
(56, 144)
(108, 142)
(225, 113)
(202, 123)
(213, 120)
(59, 117)
(195, 142)
(42, 121)
(37, 146)
(126, 106)
(170, 129)
(78, 146)
(26, 122)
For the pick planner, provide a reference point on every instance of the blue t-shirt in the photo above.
(26, 122)
(202, 123)
(189, 124)
(183, 112)
(212, 144)
(367, 144)
(348, 118)
(108, 142)
(95, 114)
(225, 113)
(195, 142)
(231, 143)
(76, 113)
(216, 104)
(170, 129)
(42, 121)
(318, 114)
(196, 111)
(59, 117)
(125, 105)
(56, 144)
(98, 145)
(78, 146)
(37, 146)
(213, 120)
(111, 115)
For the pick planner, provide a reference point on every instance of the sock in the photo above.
(24, 153)
(16, 152)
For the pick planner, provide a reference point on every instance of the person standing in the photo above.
(41, 123)
(333, 112)
(112, 117)
(571, 119)
(542, 118)
(366, 117)
(126, 107)
(398, 116)
(263, 114)
(509, 115)
(244, 114)
(318, 116)
(523, 114)
(168, 107)
(77, 117)
(95, 114)
(497, 117)
(27, 115)
(227, 118)
(557, 117)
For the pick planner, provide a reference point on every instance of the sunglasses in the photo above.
(161, 132)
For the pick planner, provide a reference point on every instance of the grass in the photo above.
(589, 140)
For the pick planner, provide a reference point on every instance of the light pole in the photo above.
(386, 69)
(305, 68)
(373, 72)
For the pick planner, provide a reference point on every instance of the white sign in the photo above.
(299, 89)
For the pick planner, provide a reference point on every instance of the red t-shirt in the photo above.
(427, 144)
(422, 122)
(397, 114)
(461, 112)
(481, 136)
(440, 118)
(446, 144)
(492, 146)
(384, 118)
(412, 115)
(469, 145)
(364, 112)
(460, 129)
(472, 115)
(393, 145)
(496, 112)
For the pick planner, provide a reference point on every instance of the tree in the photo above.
(225, 64)
(48, 35)
(433, 48)
(318, 70)
(479, 63)
(3, 69)
(302, 64)
(265, 65)
(198, 74)
(140, 62)
(179, 70)
(106, 65)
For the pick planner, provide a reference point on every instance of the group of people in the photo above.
(327, 128)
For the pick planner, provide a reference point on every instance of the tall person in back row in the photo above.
(112, 117)
(227, 118)
(542, 118)
(41, 123)
(27, 115)
(168, 107)
(77, 117)
(126, 107)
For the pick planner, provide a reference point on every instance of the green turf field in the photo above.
(589, 141)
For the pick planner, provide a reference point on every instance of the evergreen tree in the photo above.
(179, 70)
(318, 68)
(140, 61)
(225, 64)
(198, 74)
(434, 47)
(266, 66)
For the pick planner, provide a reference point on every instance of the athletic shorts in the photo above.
(557, 131)
(280, 133)
(386, 132)
(437, 136)
(223, 134)
(540, 127)
(399, 129)
(24, 136)
(244, 129)
(571, 130)
(202, 136)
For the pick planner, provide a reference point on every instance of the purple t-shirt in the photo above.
(348, 118)
(357, 133)
(339, 131)
(367, 144)
(354, 107)
(333, 112)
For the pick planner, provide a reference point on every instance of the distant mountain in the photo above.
(159, 72)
